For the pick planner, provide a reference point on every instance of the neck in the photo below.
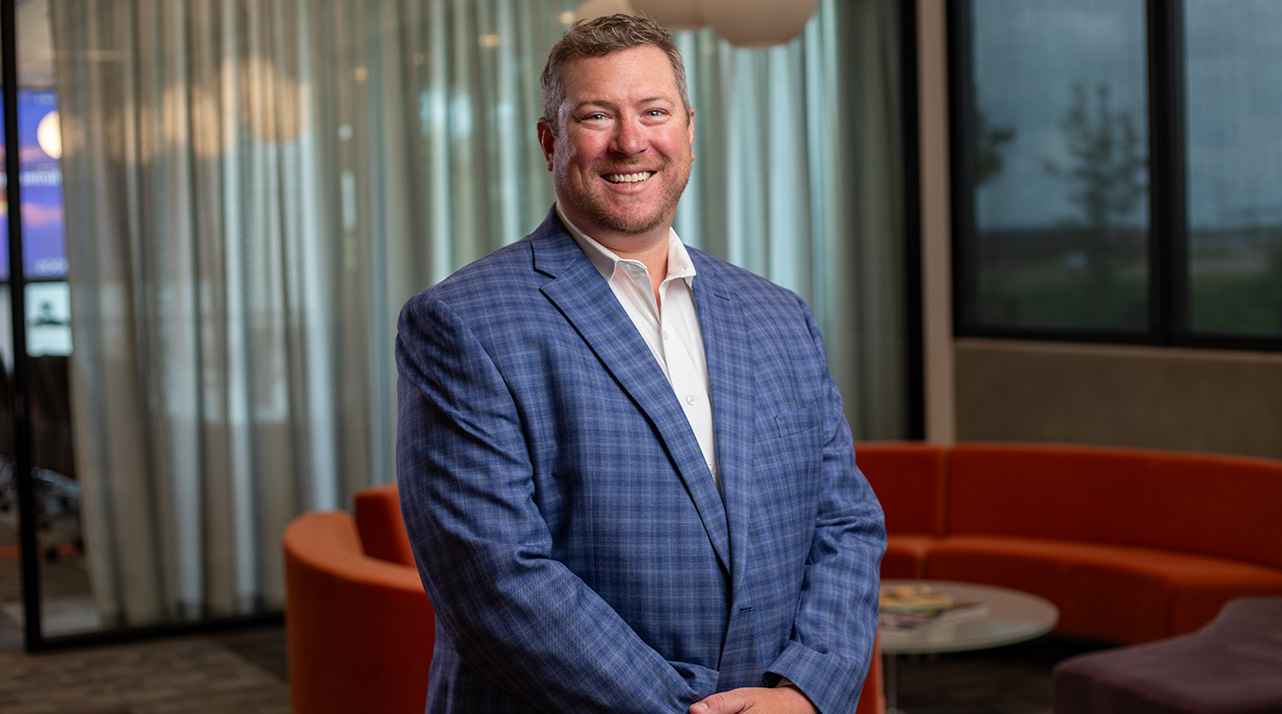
(650, 247)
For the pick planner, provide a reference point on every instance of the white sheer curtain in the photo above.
(798, 177)
(253, 188)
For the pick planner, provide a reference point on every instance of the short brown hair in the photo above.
(600, 37)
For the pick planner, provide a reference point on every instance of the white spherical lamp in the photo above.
(592, 9)
(674, 15)
(757, 23)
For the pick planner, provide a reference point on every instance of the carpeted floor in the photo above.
(241, 673)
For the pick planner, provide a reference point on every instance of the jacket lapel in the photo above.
(730, 379)
(587, 302)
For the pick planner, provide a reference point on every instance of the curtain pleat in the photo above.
(254, 187)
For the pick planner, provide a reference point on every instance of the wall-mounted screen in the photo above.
(40, 146)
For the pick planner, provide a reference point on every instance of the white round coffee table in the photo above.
(1007, 616)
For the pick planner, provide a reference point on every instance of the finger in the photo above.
(720, 703)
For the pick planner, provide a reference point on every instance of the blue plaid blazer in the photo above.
(578, 552)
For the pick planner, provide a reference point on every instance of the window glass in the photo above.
(1059, 165)
(1234, 105)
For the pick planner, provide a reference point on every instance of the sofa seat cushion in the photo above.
(906, 555)
(1112, 592)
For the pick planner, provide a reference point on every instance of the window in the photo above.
(1117, 174)
(1233, 103)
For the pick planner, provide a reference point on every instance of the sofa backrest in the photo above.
(377, 512)
(1230, 506)
(1188, 502)
(909, 480)
(359, 630)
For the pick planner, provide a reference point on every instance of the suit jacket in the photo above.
(579, 554)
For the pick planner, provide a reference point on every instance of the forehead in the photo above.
(635, 71)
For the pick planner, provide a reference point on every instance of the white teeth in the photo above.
(629, 178)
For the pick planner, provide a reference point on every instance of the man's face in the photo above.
(622, 155)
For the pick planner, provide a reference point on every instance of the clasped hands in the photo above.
(758, 700)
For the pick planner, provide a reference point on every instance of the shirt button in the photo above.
(689, 399)
(665, 334)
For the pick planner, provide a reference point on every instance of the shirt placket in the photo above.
(684, 376)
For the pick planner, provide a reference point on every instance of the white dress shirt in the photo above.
(670, 327)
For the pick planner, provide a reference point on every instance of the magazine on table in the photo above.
(909, 607)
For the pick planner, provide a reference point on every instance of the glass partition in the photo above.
(65, 602)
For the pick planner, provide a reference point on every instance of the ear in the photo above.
(547, 140)
(690, 132)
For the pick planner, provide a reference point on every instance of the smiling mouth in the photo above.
(637, 177)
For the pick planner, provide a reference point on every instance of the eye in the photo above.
(655, 113)
(594, 116)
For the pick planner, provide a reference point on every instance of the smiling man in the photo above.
(622, 463)
(618, 134)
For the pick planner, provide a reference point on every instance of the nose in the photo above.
(629, 137)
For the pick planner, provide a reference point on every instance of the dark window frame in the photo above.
(1168, 285)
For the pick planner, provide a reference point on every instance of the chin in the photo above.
(632, 226)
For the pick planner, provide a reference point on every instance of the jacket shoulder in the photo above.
(495, 276)
(741, 283)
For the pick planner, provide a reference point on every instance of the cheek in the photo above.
(580, 143)
(677, 144)
(588, 151)
(568, 159)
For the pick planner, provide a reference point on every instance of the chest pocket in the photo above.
(796, 421)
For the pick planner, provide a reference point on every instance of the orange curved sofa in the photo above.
(1131, 545)
(359, 628)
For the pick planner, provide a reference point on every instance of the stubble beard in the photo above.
(608, 215)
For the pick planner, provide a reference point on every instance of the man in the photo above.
(623, 463)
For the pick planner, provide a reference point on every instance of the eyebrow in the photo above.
(611, 105)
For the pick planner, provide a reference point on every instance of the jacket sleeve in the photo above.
(514, 614)
(836, 622)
